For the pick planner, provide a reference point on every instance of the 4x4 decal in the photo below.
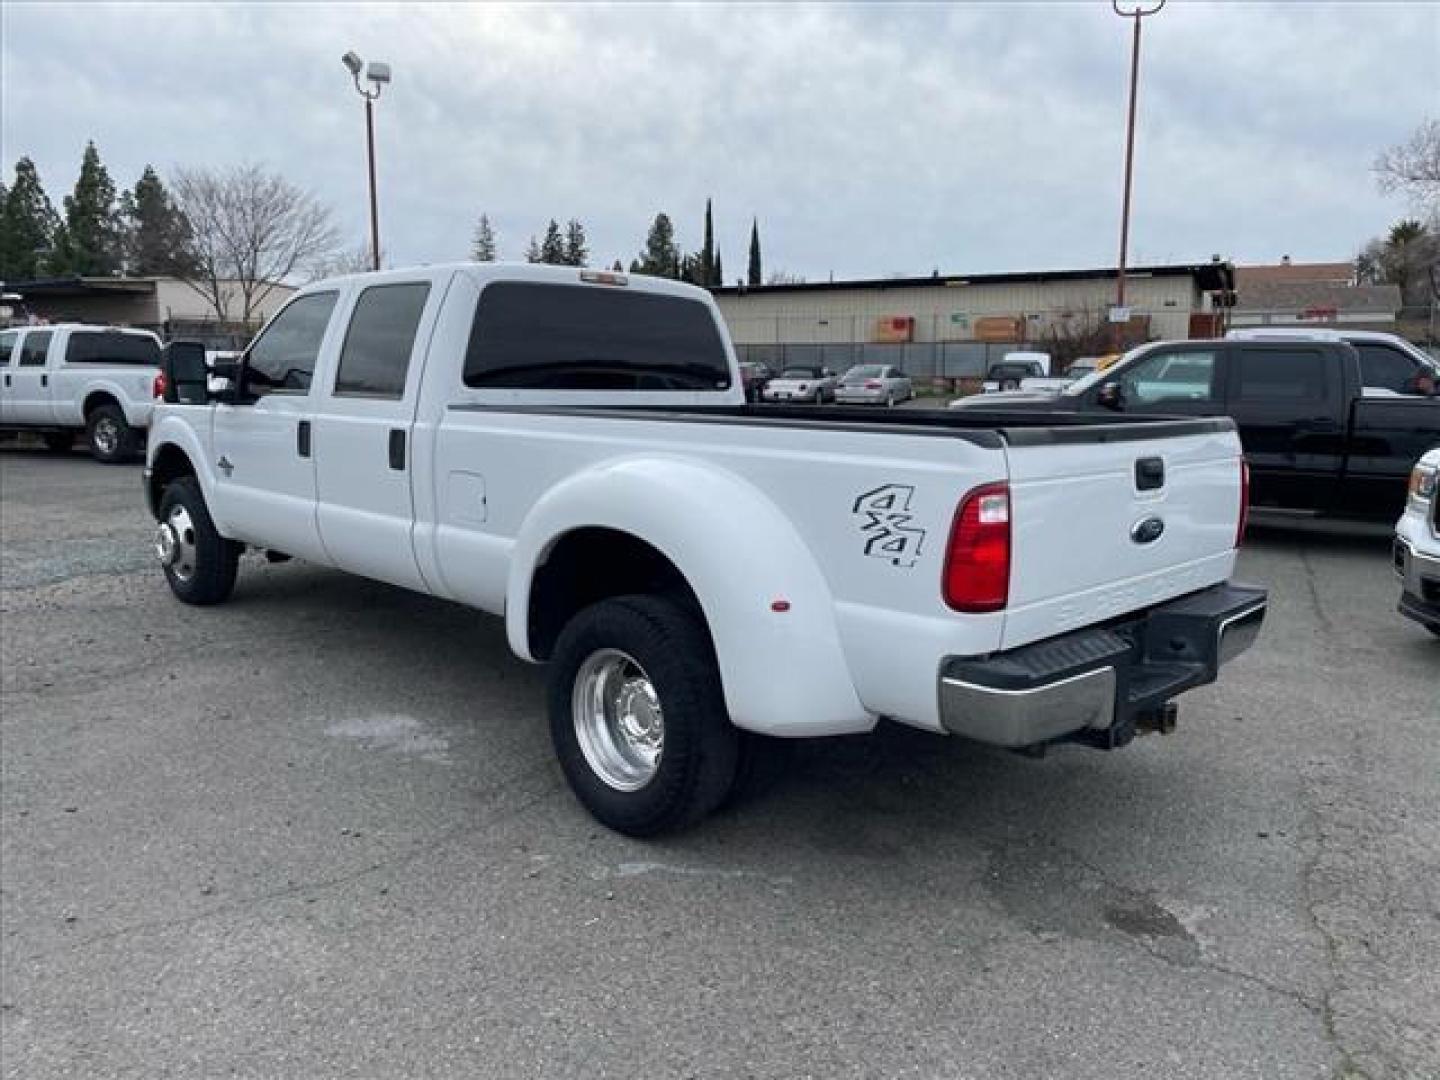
(886, 524)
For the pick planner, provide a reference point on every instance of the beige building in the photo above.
(166, 305)
(955, 325)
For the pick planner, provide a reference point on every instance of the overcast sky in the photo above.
(868, 139)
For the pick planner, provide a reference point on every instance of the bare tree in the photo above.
(250, 230)
(1413, 168)
(350, 260)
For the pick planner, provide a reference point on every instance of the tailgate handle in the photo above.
(1149, 473)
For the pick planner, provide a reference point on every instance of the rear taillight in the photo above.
(977, 563)
(872, 385)
(157, 389)
(1244, 500)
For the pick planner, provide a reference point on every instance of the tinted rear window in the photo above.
(1384, 368)
(110, 348)
(1284, 374)
(376, 356)
(575, 337)
(7, 346)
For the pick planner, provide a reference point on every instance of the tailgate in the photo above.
(1093, 539)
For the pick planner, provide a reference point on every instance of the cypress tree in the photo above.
(92, 223)
(28, 224)
(753, 275)
(707, 252)
(719, 277)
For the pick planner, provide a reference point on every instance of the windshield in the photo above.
(1084, 383)
(800, 373)
(866, 371)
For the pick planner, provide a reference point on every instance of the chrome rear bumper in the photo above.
(1095, 685)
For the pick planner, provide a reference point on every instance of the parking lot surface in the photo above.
(319, 832)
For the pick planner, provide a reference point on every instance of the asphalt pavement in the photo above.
(319, 832)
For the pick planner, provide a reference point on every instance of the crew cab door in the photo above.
(263, 444)
(9, 342)
(1288, 403)
(363, 433)
(30, 380)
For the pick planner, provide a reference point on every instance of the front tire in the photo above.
(200, 565)
(112, 439)
(637, 715)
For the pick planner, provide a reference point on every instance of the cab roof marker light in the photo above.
(603, 277)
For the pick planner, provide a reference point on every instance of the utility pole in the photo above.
(377, 73)
(1135, 15)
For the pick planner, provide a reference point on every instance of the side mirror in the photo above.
(183, 364)
(227, 373)
(1111, 396)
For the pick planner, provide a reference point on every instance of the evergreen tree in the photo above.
(690, 270)
(661, 257)
(552, 247)
(718, 278)
(28, 224)
(707, 252)
(754, 275)
(157, 234)
(634, 265)
(532, 253)
(483, 249)
(617, 267)
(92, 223)
(577, 251)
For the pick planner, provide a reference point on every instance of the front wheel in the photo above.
(199, 564)
(637, 715)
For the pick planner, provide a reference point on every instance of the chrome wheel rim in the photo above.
(618, 720)
(106, 435)
(175, 544)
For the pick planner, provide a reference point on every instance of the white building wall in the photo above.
(949, 312)
(178, 301)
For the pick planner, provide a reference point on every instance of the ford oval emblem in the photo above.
(1147, 530)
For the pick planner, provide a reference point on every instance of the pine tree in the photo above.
(532, 253)
(753, 274)
(617, 267)
(483, 249)
(661, 257)
(92, 223)
(28, 224)
(157, 234)
(577, 251)
(707, 252)
(634, 265)
(552, 247)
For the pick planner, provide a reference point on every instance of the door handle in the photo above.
(302, 438)
(397, 448)
(7, 380)
(44, 380)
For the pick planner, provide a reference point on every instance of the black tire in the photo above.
(112, 440)
(216, 559)
(59, 442)
(696, 766)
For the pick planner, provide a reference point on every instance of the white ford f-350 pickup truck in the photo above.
(64, 379)
(572, 450)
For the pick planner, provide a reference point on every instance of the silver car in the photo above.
(874, 384)
(804, 383)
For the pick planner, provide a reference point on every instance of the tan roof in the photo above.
(1306, 296)
(1336, 273)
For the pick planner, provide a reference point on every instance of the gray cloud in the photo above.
(868, 139)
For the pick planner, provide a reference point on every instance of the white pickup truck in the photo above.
(571, 450)
(72, 377)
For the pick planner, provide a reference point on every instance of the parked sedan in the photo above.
(802, 384)
(874, 384)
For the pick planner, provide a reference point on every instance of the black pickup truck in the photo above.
(1321, 437)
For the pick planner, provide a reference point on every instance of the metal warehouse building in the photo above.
(955, 326)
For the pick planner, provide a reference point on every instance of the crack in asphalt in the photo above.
(319, 884)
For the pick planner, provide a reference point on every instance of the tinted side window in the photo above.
(575, 337)
(283, 356)
(1170, 377)
(34, 349)
(376, 353)
(1280, 375)
(7, 346)
(112, 348)
(1384, 368)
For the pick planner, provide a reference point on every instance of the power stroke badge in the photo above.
(885, 523)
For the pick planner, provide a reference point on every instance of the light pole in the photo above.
(377, 74)
(1134, 15)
